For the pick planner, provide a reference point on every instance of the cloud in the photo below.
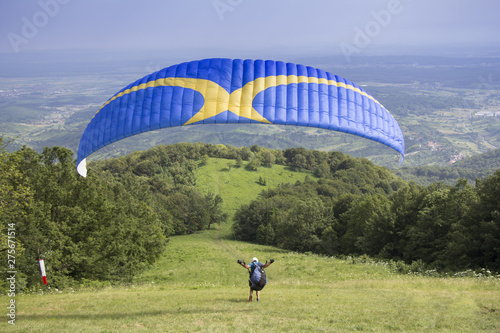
(244, 24)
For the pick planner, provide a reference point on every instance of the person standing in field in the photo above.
(258, 277)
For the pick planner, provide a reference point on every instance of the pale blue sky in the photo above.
(304, 26)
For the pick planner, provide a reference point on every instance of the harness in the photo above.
(258, 279)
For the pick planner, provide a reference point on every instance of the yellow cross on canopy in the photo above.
(239, 102)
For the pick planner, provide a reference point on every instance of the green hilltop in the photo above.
(239, 186)
(145, 243)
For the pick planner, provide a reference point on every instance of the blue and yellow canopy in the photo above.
(239, 91)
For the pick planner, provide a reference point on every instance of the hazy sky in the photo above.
(342, 26)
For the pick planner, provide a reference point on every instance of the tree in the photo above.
(323, 170)
(84, 227)
(461, 199)
(405, 206)
(330, 244)
(268, 158)
(299, 162)
(265, 234)
(204, 160)
(485, 223)
(302, 229)
(14, 197)
(427, 238)
(246, 153)
(239, 162)
(370, 226)
(253, 165)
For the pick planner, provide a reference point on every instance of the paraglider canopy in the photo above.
(239, 91)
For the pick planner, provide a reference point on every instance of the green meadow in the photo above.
(238, 186)
(197, 286)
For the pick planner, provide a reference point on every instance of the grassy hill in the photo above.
(197, 286)
(238, 186)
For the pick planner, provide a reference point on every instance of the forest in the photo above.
(108, 226)
(355, 207)
(116, 222)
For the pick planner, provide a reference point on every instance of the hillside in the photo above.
(297, 199)
(197, 286)
(110, 267)
(238, 186)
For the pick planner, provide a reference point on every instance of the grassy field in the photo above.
(197, 286)
(238, 186)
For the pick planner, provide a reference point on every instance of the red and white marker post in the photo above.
(42, 270)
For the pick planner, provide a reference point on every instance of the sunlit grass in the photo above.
(198, 286)
(238, 186)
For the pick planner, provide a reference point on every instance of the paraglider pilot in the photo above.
(258, 277)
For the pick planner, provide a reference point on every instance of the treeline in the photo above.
(163, 178)
(444, 227)
(108, 226)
